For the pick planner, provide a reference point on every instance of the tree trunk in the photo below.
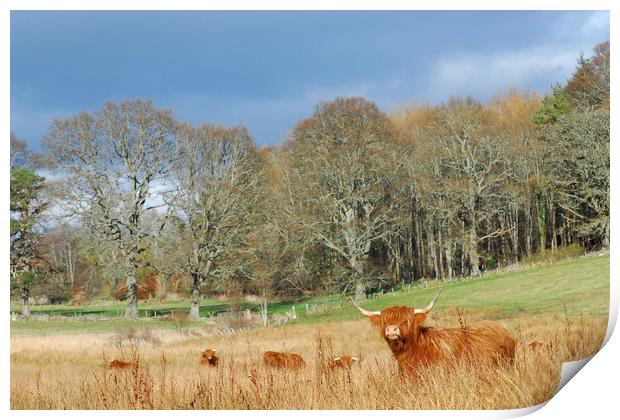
(356, 267)
(440, 251)
(449, 258)
(263, 311)
(132, 296)
(514, 233)
(529, 228)
(474, 257)
(554, 239)
(421, 271)
(25, 292)
(410, 258)
(463, 260)
(194, 312)
(542, 225)
(432, 252)
(397, 259)
(360, 289)
(70, 266)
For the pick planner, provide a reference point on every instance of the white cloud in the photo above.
(553, 59)
(596, 25)
(487, 73)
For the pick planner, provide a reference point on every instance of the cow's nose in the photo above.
(392, 330)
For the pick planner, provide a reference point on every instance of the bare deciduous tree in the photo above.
(579, 170)
(114, 159)
(471, 167)
(19, 152)
(216, 197)
(344, 171)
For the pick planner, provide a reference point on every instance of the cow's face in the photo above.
(398, 323)
(343, 361)
(208, 356)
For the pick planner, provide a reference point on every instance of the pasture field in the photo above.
(208, 307)
(578, 287)
(564, 306)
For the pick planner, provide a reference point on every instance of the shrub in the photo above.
(55, 291)
(180, 320)
(561, 253)
(79, 298)
(147, 286)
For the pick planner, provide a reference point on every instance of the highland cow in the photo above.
(120, 364)
(414, 345)
(283, 360)
(209, 357)
(344, 362)
(535, 345)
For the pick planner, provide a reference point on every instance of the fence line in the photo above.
(253, 319)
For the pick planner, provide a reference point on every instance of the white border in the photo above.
(593, 393)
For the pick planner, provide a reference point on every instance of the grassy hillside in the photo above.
(577, 287)
(573, 288)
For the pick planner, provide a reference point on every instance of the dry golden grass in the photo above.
(67, 372)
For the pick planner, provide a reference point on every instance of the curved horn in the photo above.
(364, 311)
(429, 307)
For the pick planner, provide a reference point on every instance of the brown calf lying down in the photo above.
(120, 364)
(537, 346)
(208, 357)
(283, 360)
(344, 362)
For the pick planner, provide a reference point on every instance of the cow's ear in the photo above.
(375, 320)
(419, 320)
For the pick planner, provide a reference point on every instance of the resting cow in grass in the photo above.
(283, 360)
(344, 362)
(121, 364)
(209, 357)
(414, 345)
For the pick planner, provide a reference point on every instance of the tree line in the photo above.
(128, 201)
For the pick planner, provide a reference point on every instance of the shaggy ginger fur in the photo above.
(283, 360)
(120, 364)
(344, 362)
(208, 357)
(418, 345)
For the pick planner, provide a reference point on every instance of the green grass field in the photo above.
(208, 307)
(577, 287)
(574, 288)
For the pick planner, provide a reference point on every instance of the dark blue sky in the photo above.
(267, 70)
